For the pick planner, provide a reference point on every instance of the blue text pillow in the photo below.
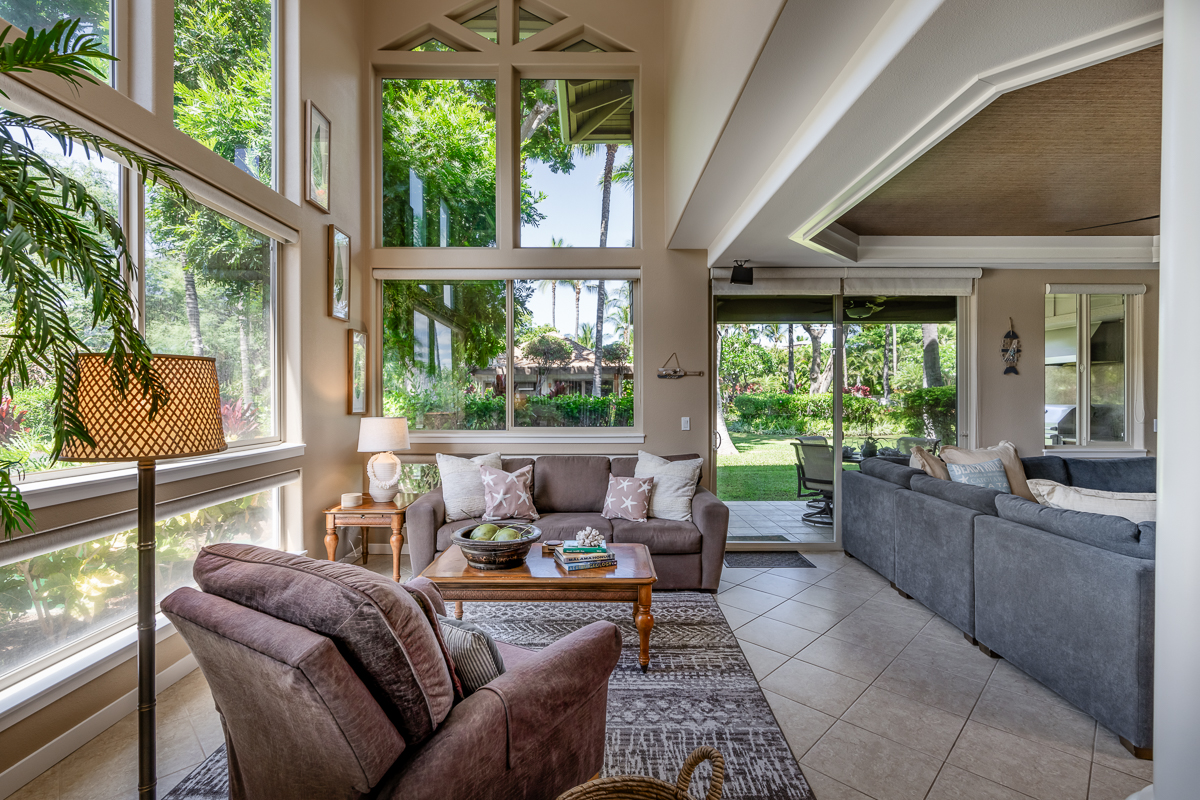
(988, 474)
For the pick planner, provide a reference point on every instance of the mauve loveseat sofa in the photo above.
(569, 492)
(1067, 597)
(331, 683)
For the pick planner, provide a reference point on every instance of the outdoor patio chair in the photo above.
(906, 443)
(816, 475)
(801, 494)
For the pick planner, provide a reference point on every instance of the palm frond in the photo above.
(60, 50)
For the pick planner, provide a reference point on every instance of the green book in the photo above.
(572, 546)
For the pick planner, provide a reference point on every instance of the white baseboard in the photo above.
(33, 765)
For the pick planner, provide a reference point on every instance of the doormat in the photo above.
(757, 537)
(767, 559)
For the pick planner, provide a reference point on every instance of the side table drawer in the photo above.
(363, 519)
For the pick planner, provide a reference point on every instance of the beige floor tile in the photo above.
(1038, 720)
(168, 782)
(829, 561)
(209, 733)
(960, 658)
(776, 635)
(956, 784)
(872, 634)
(44, 787)
(736, 617)
(1108, 784)
(806, 575)
(831, 599)
(845, 658)
(826, 788)
(856, 583)
(1011, 679)
(749, 599)
(738, 574)
(931, 686)
(902, 619)
(878, 767)
(724, 586)
(775, 584)
(940, 629)
(893, 598)
(1112, 754)
(904, 720)
(815, 687)
(1028, 767)
(802, 726)
(762, 661)
(802, 615)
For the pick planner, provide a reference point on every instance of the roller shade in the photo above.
(897, 282)
(38, 544)
(1095, 288)
(450, 274)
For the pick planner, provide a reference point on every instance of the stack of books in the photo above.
(573, 557)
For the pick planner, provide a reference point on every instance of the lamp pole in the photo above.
(147, 737)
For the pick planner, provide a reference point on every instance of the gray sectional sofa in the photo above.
(1065, 596)
(569, 492)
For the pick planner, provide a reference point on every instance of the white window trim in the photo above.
(568, 436)
(54, 491)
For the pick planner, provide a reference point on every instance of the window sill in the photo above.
(564, 436)
(1112, 451)
(31, 695)
(53, 491)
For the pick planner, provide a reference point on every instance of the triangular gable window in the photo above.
(530, 24)
(486, 24)
(433, 45)
(583, 46)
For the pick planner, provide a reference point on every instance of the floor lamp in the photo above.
(187, 424)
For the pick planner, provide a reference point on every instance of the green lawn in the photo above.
(763, 469)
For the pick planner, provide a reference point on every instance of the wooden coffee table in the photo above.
(541, 579)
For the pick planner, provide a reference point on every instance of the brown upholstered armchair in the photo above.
(342, 691)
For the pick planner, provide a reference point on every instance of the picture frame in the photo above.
(318, 135)
(340, 275)
(356, 397)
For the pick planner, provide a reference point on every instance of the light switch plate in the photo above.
(685, 423)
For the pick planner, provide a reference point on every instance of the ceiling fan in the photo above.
(1110, 224)
(861, 313)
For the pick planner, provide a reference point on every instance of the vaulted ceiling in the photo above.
(1069, 156)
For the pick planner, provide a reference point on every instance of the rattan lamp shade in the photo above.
(189, 424)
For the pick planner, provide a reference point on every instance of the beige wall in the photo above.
(1012, 406)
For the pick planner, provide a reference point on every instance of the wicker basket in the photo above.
(633, 787)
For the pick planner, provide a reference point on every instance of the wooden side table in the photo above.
(370, 515)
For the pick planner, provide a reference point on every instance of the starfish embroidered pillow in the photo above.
(628, 498)
(508, 495)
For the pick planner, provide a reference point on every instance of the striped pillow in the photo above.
(988, 474)
(477, 660)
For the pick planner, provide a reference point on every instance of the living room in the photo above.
(373, 211)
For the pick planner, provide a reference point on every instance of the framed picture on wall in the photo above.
(339, 274)
(357, 388)
(318, 130)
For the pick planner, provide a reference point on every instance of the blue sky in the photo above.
(572, 207)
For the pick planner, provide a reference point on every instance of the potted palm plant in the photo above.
(57, 234)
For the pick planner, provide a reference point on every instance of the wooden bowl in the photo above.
(484, 554)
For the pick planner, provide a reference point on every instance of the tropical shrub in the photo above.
(931, 412)
(12, 422)
(779, 412)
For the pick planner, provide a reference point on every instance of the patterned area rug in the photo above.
(699, 691)
(767, 559)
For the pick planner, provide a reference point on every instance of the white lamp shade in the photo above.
(377, 434)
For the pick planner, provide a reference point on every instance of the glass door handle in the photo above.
(716, 440)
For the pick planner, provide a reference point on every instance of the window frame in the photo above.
(530, 435)
(1133, 366)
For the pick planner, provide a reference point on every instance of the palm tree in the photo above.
(791, 383)
(56, 233)
(621, 318)
(587, 336)
(598, 331)
(577, 286)
(552, 286)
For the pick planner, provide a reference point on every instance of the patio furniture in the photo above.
(905, 444)
(816, 475)
(811, 496)
(330, 683)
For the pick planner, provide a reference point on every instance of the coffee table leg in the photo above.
(331, 537)
(645, 624)
(458, 609)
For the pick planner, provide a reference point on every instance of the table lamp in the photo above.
(187, 424)
(382, 435)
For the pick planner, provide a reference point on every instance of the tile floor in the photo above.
(780, 518)
(878, 698)
(881, 699)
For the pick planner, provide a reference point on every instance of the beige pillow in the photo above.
(462, 484)
(1133, 506)
(931, 464)
(674, 485)
(1006, 452)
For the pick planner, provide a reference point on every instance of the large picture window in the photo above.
(446, 354)
(64, 600)
(95, 17)
(1086, 369)
(439, 163)
(224, 80)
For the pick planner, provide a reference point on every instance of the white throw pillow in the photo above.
(674, 485)
(1133, 506)
(462, 485)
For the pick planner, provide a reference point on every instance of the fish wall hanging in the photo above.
(1011, 351)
